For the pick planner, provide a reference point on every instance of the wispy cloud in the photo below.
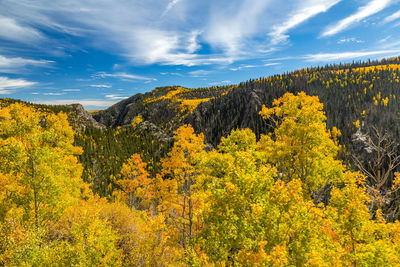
(54, 93)
(363, 12)
(384, 40)
(242, 67)
(120, 75)
(101, 85)
(12, 30)
(169, 7)
(231, 24)
(18, 64)
(309, 9)
(71, 90)
(392, 17)
(220, 83)
(116, 97)
(173, 32)
(8, 86)
(272, 64)
(330, 57)
(199, 73)
(349, 40)
(172, 73)
(85, 102)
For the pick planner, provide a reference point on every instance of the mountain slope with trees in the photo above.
(361, 101)
(249, 202)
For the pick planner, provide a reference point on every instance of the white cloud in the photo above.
(116, 97)
(85, 102)
(11, 30)
(392, 17)
(272, 64)
(199, 73)
(120, 75)
(231, 25)
(71, 90)
(7, 85)
(18, 64)
(363, 12)
(383, 40)
(330, 57)
(172, 32)
(101, 85)
(169, 7)
(243, 67)
(172, 73)
(221, 82)
(349, 40)
(304, 13)
(53, 93)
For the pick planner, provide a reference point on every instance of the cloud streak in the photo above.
(176, 32)
(392, 17)
(100, 85)
(310, 9)
(119, 75)
(100, 103)
(363, 12)
(12, 30)
(335, 57)
(169, 7)
(8, 86)
(18, 64)
(116, 97)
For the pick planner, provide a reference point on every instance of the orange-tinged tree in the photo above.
(136, 182)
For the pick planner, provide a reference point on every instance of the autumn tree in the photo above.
(253, 219)
(234, 187)
(301, 147)
(255, 215)
(136, 182)
(37, 151)
(178, 187)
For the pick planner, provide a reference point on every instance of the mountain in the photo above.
(106, 148)
(166, 107)
(79, 118)
(360, 99)
(363, 91)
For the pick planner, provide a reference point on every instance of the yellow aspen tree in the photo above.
(37, 150)
(179, 184)
(301, 147)
(136, 182)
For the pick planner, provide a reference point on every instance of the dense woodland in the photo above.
(294, 169)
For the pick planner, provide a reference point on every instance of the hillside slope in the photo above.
(367, 92)
(166, 107)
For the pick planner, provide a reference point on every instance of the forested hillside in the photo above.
(283, 199)
(364, 91)
(361, 100)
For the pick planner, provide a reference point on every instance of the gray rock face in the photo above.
(83, 118)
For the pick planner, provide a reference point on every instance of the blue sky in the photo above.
(98, 52)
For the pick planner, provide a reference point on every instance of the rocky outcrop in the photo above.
(83, 119)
